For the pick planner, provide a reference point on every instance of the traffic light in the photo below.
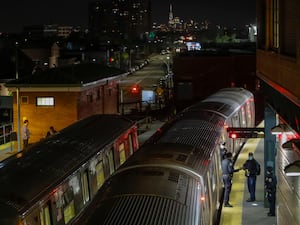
(111, 59)
(135, 89)
(245, 132)
(233, 135)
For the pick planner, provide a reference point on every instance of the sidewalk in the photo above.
(7, 150)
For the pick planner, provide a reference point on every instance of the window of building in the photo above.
(24, 99)
(109, 92)
(275, 23)
(288, 29)
(98, 94)
(89, 98)
(45, 101)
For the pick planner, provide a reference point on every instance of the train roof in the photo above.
(225, 102)
(170, 201)
(141, 202)
(162, 154)
(25, 176)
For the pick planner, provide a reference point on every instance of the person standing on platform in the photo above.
(252, 169)
(25, 134)
(51, 132)
(227, 173)
(270, 187)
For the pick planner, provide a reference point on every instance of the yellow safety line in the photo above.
(233, 215)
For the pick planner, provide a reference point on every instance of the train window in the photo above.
(85, 187)
(69, 212)
(45, 215)
(100, 174)
(122, 153)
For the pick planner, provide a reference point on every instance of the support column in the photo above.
(269, 141)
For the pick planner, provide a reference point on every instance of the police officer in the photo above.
(252, 169)
(270, 187)
(227, 173)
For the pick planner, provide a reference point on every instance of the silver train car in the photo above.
(175, 178)
(53, 181)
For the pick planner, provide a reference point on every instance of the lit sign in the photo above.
(191, 46)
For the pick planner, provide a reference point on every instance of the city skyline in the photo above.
(75, 13)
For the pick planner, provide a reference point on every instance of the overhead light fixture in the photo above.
(293, 169)
(281, 128)
(291, 144)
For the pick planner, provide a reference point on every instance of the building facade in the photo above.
(126, 19)
(278, 68)
(61, 96)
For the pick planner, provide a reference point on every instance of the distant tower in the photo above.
(171, 17)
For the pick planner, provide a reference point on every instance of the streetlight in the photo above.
(168, 65)
(169, 75)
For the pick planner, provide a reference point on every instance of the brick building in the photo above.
(60, 96)
(200, 74)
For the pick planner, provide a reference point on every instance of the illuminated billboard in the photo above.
(192, 46)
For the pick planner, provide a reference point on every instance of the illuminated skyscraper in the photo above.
(171, 17)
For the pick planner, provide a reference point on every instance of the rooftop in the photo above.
(75, 75)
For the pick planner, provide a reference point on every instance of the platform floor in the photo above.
(243, 212)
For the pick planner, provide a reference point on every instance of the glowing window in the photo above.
(45, 101)
(122, 153)
(100, 174)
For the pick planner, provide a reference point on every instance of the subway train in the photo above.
(53, 181)
(175, 177)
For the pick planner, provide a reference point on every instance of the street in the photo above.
(145, 79)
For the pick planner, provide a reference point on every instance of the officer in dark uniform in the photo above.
(227, 173)
(252, 169)
(270, 187)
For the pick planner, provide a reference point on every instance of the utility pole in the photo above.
(18, 101)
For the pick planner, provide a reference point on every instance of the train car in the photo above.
(53, 181)
(175, 178)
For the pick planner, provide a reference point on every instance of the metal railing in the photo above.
(6, 133)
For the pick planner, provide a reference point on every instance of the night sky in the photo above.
(14, 14)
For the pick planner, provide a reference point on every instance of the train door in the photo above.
(85, 187)
(243, 122)
(235, 122)
(210, 199)
(45, 217)
(249, 114)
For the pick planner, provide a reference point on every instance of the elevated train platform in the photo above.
(243, 212)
